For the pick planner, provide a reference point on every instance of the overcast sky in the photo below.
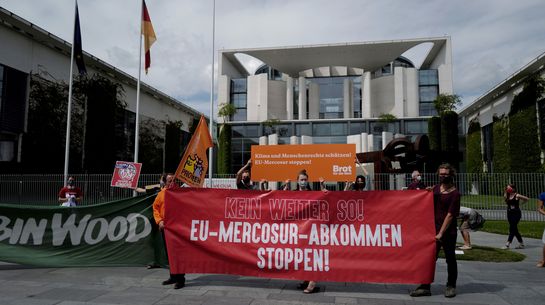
(491, 39)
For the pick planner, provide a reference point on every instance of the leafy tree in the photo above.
(473, 148)
(224, 149)
(532, 91)
(226, 110)
(151, 145)
(523, 142)
(446, 102)
(173, 145)
(434, 133)
(387, 118)
(500, 155)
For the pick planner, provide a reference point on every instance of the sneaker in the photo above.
(520, 246)
(505, 247)
(420, 292)
(450, 292)
(464, 247)
(169, 282)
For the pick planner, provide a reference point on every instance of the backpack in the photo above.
(477, 222)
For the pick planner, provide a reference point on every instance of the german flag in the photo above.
(149, 34)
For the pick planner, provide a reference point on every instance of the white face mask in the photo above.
(303, 184)
(418, 178)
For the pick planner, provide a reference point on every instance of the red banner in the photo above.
(376, 236)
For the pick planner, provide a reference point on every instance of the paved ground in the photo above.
(478, 283)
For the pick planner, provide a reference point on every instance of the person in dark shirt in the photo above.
(417, 183)
(512, 200)
(243, 177)
(358, 185)
(446, 202)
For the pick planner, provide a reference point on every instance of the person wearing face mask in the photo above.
(417, 183)
(243, 178)
(358, 185)
(512, 200)
(446, 202)
(158, 215)
(70, 195)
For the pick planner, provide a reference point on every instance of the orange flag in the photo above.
(194, 164)
(149, 34)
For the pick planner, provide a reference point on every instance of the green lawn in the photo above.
(488, 254)
(493, 202)
(531, 229)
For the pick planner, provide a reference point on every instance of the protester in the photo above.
(541, 209)
(303, 185)
(243, 177)
(358, 185)
(70, 195)
(158, 215)
(416, 183)
(468, 215)
(512, 200)
(446, 201)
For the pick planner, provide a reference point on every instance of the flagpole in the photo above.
(137, 125)
(211, 163)
(69, 108)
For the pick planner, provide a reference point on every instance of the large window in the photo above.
(331, 96)
(428, 90)
(239, 99)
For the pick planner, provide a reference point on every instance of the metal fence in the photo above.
(483, 192)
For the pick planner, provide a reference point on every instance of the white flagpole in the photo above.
(137, 125)
(210, 150)
(69, 108)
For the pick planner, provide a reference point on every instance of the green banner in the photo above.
(117, 233)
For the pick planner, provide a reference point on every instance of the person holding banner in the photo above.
(417, 183)
(358, 185)
(446, 201)
(70, 195)
(159, 215)
(303, 185)
(243, 177)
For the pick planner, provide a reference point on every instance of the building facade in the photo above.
(28, 51)
(496, 104)
(338, 93)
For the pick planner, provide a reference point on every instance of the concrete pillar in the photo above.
(386, 138)
(366, 95)
(364, 142)
(273, 139)
(313, 101)
(306, 140)
(348, 93)
(289, 98)
(263, 140)
(370, 143)
(302, 98)
(399, 92)
(224, 91)
(354, 139)
(294, 140)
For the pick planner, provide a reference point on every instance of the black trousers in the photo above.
(448, 243)
(177, 277)
(513, 216)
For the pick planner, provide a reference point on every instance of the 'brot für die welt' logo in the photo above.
(342, 170)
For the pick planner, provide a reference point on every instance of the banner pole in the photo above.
(69, 108)
(211, 149)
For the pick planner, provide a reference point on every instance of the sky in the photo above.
(491, 39)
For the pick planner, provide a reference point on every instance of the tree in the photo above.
(474, 155)
(446, 102)
(532, 91)
(226, 110)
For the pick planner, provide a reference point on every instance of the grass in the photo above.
(488, 254)
(494, 202)
(530, 229)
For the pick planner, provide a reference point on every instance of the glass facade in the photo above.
(428, 88)
(239, 98)
(331, 96)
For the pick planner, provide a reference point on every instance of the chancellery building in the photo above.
(364, 93)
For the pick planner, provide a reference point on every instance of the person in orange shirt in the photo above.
(158, 214)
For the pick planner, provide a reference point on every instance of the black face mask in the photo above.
(446, 179)
(246, 180)
(70, 182)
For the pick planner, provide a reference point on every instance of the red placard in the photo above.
(126, 174)
(376, 236)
